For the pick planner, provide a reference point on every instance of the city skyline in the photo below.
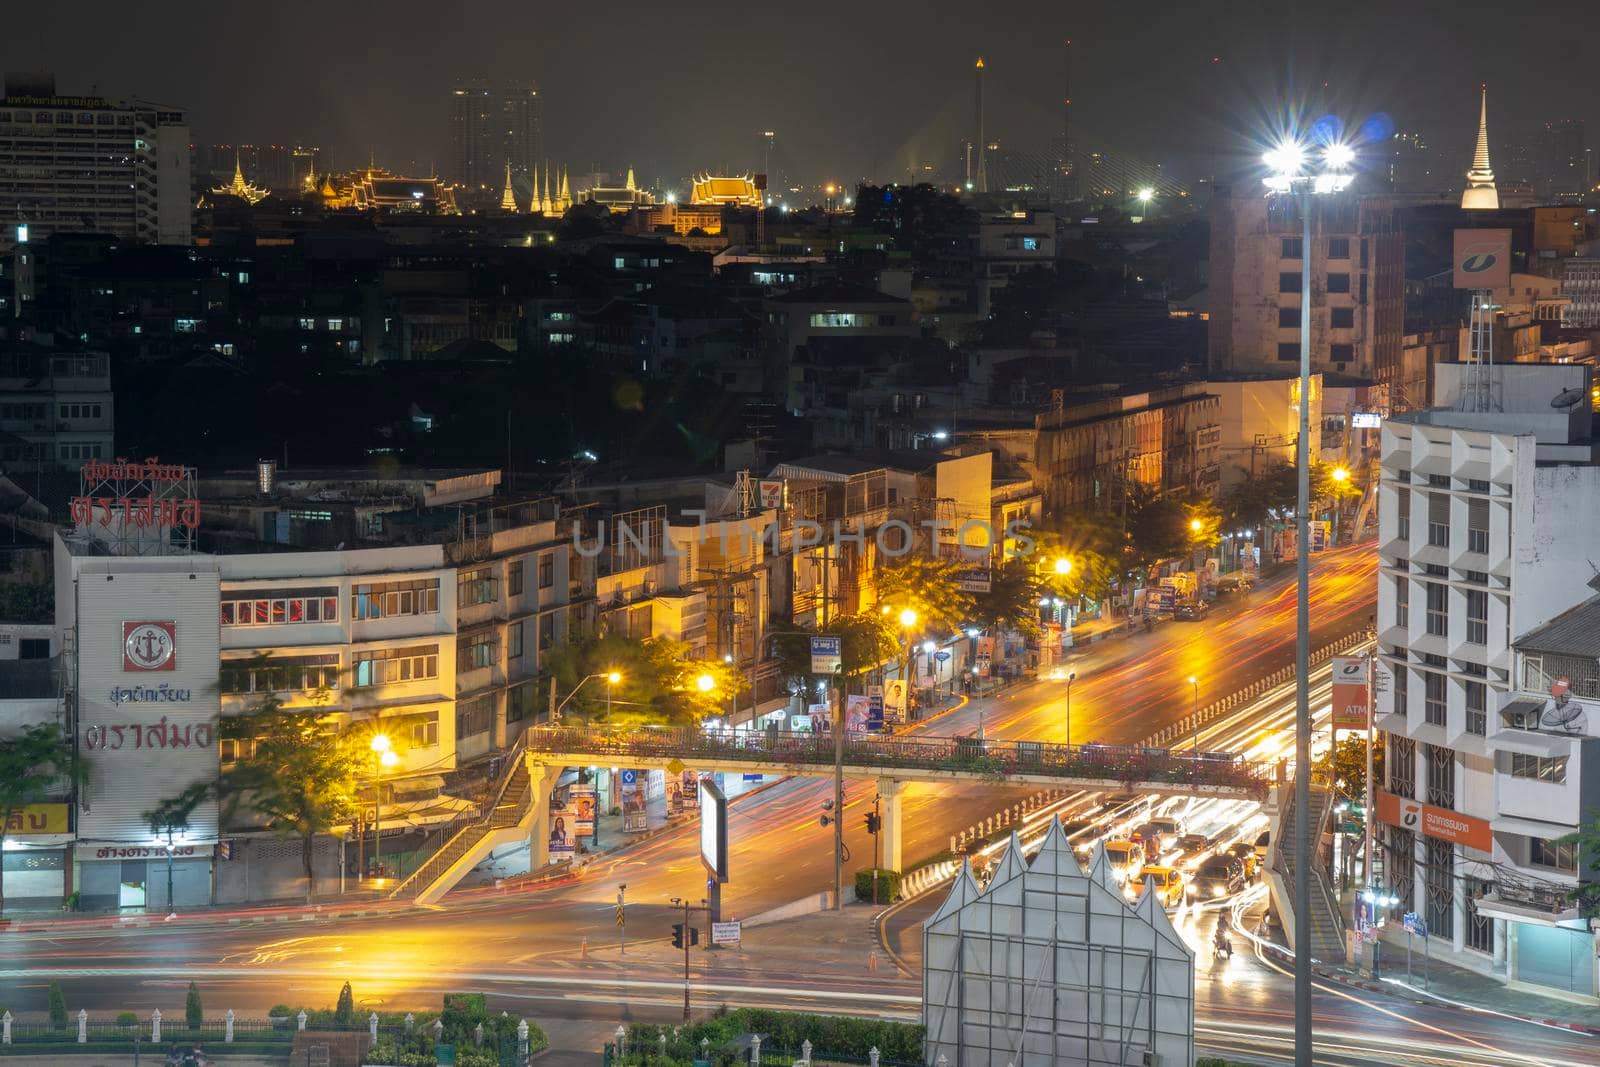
(848, 111)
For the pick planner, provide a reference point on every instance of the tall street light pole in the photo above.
(1071, 675)
(1194, 683)
(384, 757)
(1289, 176)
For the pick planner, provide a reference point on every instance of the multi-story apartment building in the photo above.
(1484, 501)
(84, 162)
(56, 407)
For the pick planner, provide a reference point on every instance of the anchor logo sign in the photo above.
(149, 646)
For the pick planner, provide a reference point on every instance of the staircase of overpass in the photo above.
(1327, 920)
(507, 818)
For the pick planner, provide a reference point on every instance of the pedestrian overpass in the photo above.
(520, 805)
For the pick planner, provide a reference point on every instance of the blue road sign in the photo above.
(629, 777)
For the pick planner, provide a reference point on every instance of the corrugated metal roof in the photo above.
(1575, 632)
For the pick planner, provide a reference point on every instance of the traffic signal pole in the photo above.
(838, 799)
(687, 939)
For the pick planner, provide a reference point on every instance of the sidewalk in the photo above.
(1462, 988)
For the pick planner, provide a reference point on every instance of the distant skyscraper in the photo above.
(475, 145)
(982, 144)
(520, 125)
(1066, 169)
(1564, 165)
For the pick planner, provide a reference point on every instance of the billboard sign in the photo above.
(827, 655)
(37, 819)
(149, 698)
(725, 933)
(1441, 823)
(974, 580)
(1366, 420)
(580, 797)
(874, 707)
(894, 700)
(771, 494)
(713, 830)
(1482, 259)
(563, 825)
(1349, 692)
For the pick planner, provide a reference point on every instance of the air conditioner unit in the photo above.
(1151, 1058)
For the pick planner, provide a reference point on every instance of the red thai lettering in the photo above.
(105, 509)
(189, 513)
(174, 738)
(82, 511)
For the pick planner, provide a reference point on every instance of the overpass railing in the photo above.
(998, 759)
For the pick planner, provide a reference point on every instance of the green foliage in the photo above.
(193, 1013)
(1093, 542)
(928, 587)
(1348, 764)
(830, 1036)
(1587, 837)
(172, 814)
(345, 1006)
(302, 778)
(34, 764)
(1012, 602)
(888, 885)
(28, 601)
(58, 1006)
(1158, 528)
(659, 681)
(126, 1019)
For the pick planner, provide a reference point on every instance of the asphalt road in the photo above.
(526, 946)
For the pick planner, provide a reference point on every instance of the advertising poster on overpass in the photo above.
(635, 819)
(563, 823)
(580, 797)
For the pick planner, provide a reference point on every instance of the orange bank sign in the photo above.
(1442, 823)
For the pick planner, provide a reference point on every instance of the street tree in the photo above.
(1587, 838)
(302, 778)
(1348, 765)
(1158, 528)
(927, 586)
(659, 681)
(1012, 602)
(35, 765)
(171, 817)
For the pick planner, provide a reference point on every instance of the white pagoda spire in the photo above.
(508, 199)
(1481, 194)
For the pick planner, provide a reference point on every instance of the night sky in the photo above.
(853, 90)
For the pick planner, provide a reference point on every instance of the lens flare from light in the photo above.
(1287, 157)
(1338, 156)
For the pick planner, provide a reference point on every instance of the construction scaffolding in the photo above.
(1051, 965)
(136, 508)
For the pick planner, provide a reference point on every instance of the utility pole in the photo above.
(837, 697)
(685, 936)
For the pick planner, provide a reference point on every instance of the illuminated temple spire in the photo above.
(240, 188)
(1481, 194)
(630, 186)
(545, 205)
(533, 201)
(508, 200)
(565, 200)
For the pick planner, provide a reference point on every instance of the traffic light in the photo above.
(826, 820)
(678, 933)
(874, 822)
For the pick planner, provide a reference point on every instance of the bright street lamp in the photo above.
(1195, 525)
(383, 752)
(706, 683)
(1063, 566)
(1340, 474)
(908, 618)
(1287, 163)
(1146, 195)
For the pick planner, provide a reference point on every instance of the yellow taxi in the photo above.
(1168, 883)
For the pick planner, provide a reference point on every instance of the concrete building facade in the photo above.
(1483, 502)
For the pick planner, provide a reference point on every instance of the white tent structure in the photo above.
(1051, 965)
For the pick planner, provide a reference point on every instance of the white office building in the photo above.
(1486, 504)
(85, 163)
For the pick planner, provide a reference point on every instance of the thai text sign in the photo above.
(37, 819)
(1436, 822)
(143, 512)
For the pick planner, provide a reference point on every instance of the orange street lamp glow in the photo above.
(706, 683)
(1195, 525)
(381, 743)
(613, 678)
(908, 618)
(1341, 474)
(1063, 565)
(387, 759)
